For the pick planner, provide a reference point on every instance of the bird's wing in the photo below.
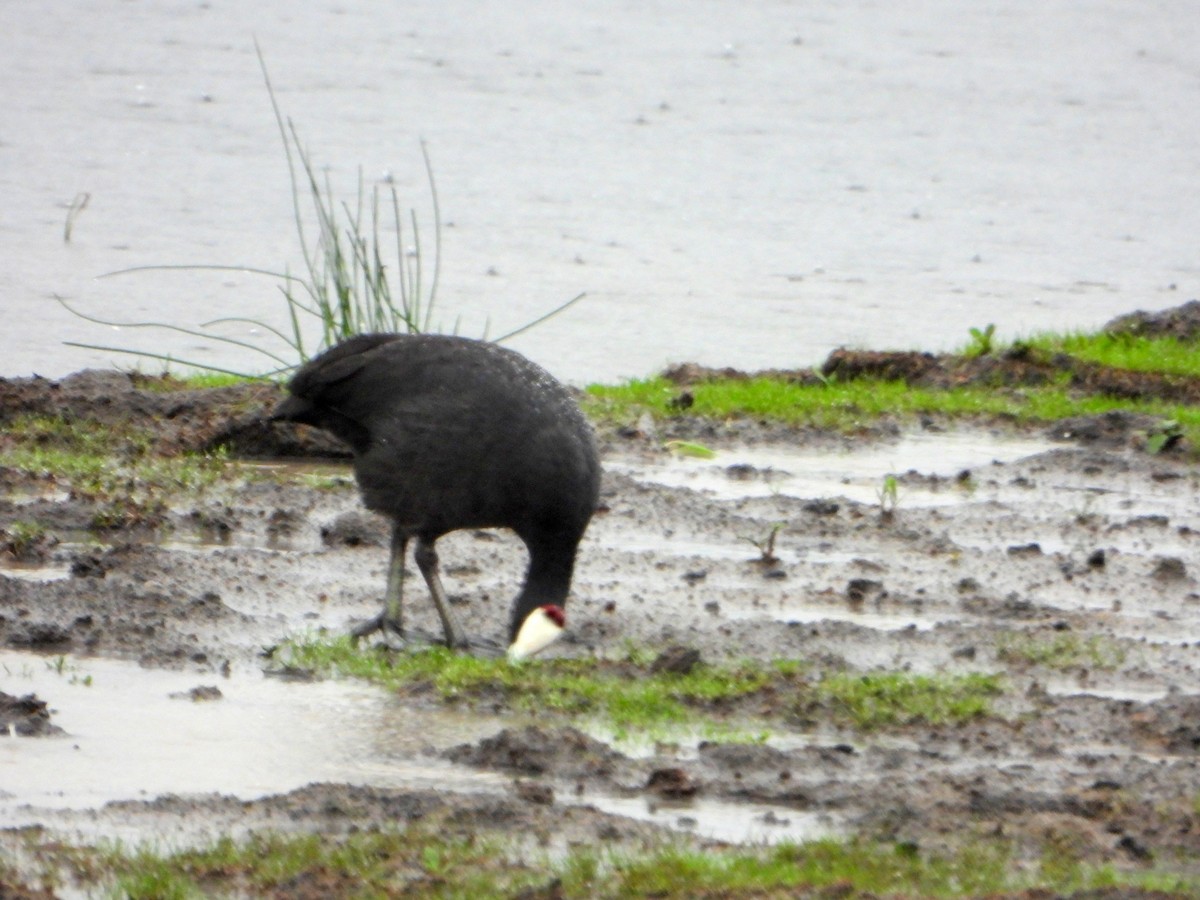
(323, 374)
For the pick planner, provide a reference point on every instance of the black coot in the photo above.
(452, 433)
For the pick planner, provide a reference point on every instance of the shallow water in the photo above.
(723, 821)
(857, 473)
(810, 613)
(129, 739)
(739, 184)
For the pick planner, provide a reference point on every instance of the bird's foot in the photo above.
(394, 637)
(484, 647)
(392, 634)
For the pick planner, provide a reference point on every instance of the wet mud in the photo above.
(1027, 541)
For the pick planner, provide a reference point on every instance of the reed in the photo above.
(368, 267)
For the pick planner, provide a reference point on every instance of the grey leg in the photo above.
(391, 619)
(427, 562)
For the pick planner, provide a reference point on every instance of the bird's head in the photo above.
(540, 629)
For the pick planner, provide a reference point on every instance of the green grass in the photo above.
(1062, 651)
(630, 698)
(104, 476)
(1124, 351)
(428, 861)
(851, 405)
(114, 467)
(623, 695)
(859, 868)
(879, 700)
(20, 536)
(195, 381)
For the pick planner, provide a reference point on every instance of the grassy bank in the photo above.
(1043, 379)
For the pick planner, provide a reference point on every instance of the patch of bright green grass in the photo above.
(846, 405)
(146, 480)
(861, 868)
(420, 861)
(1062, 651)
(624, 696)
(897, 698)
(101, 460)
(629, 697)
(1124, 351)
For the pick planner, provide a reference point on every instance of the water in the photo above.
(128, 738)
(741, 184)
(856, 473)
(755, 823)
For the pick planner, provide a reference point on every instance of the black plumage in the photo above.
(451, 433)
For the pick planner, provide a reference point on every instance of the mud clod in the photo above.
(676, 661)
(565, 752)
(1169, 569)
(25, 717)
(1179, 322)
(204, 693)
(674, 783)
(355, 529)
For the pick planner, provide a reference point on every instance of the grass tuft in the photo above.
(1062, 651)
(883, 699)
(624, 695)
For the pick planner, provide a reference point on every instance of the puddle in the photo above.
(1061, 687)
(35, 572)
(720, 820)
(313, 474)
(856, 474)
(808, 614)
(127, 738)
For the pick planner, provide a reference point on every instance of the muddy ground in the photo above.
(1096, 756)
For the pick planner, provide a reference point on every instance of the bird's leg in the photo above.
(427, 562)
(391, 618)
